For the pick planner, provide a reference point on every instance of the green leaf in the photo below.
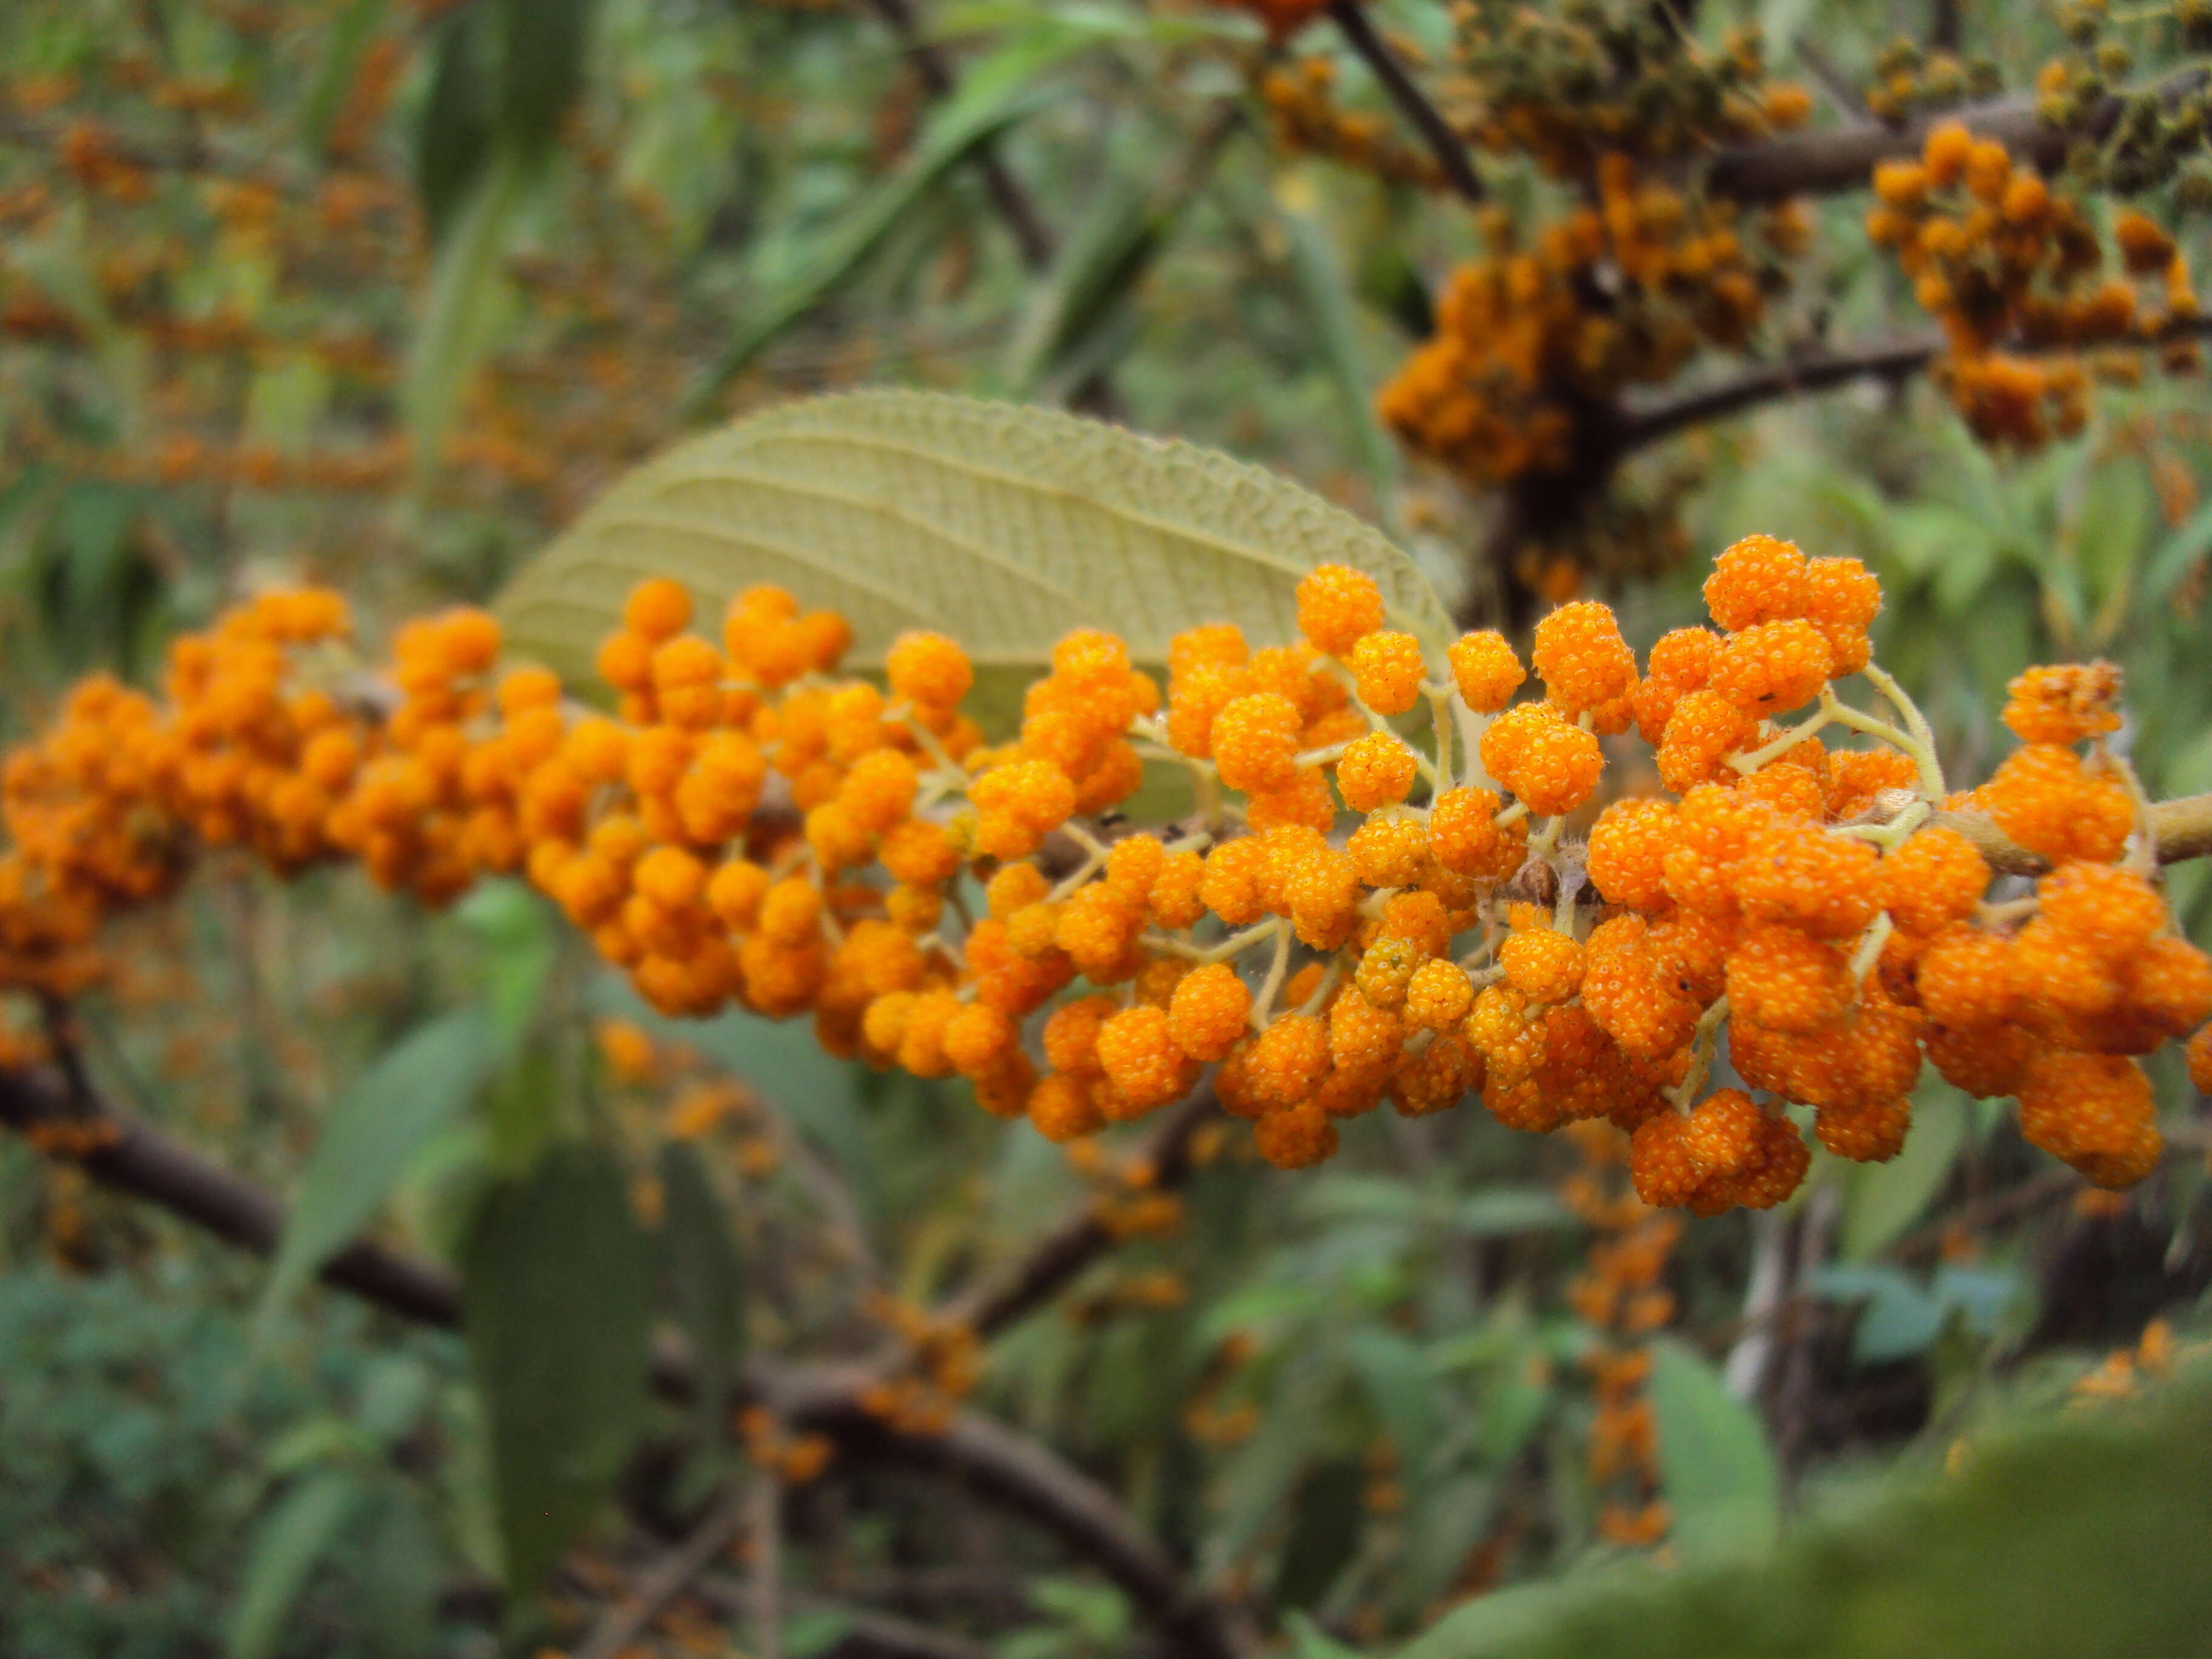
(453, 143)
(557, 1287)
(461, 316)
(378, 1126)
(1002, 525)
(2177, 556)
(701, 1251)
(400, 1575)
(543, 44)
(1504, 1210)
(291, 1539)
(2080, 1533)
(1882, 1200)
(1309, 1640)
(955, 135)
(517, 929)
(1089, 283)
(1714, 1466)
(1325, 287)
(334, 74)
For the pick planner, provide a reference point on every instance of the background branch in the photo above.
(935, 73)
(1843, 158)
(1804, 372)
(1413, 103)
(1061, 1256)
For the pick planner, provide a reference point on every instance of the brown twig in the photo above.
(867, 1634)
(1820, 370)
(935, 73)
(1811, 371)
(2182, 829)
(764, 1526)
(619, 1626)
(1413, 103)
(1062, 1254)
(1843, 158)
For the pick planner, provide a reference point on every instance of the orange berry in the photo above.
(1375, 770)
(1779, 978)
(928, 670)
(1289, 1059)
(1724, 1135)
(1337, 606)
(1795, 872)
(1550, 765)
(1485, 670)
(1542, 965)
(1296, 1137)
(1137, 1053)
(2064, 704)
(1756, 580)
(1680, 663)
(1463, 835)
(1256, 741)
(2200, 1060)
(1704, 729)
(1209, 1010)
(1660, 1164)
(1770, 668)
(2095, 1111)
(1582, 657)
(1390, 849)
(658, 609)
(2043, 798)
(1944, 152)
(1936, 878)
(1388, 671)
(1873, 1133)
(1627, 853)
(1439, 995)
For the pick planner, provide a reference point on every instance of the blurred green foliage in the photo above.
(1349, 1398)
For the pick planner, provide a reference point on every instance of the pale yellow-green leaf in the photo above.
(1003, 526)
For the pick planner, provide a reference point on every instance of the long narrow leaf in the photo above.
(972, 122)
(372, 1134)
(295, 1535)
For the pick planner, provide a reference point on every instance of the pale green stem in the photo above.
(1329, 979)
(1440, 724)
(902, 714)
(1923, 748)
(1236, 944)
(1751, 762)
(1263, 1006)
(2143, 855)
(1870, 947)
(1091, 866)
(1701, 1054)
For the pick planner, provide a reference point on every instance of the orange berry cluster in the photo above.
(943, 1362)
(1619, 1294)
(1617, 294)
(1301, 102)
(2011, 267)
(1566, 85)
(1343, 918)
